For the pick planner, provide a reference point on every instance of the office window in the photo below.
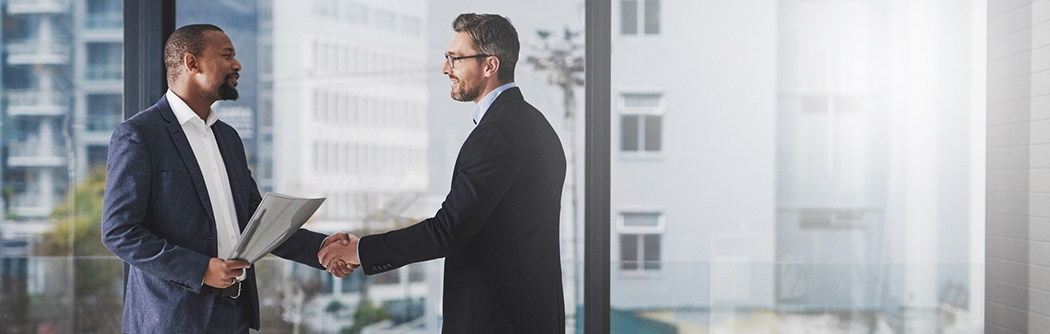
(640, 238)
(641, 123)
(641, 16)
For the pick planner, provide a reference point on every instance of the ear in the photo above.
(189, 63)
(491, 66)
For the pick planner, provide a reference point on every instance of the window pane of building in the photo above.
(651, 251)
(635, 100)
(628, 251)
(629, 17)
(629, 135)
(652, 132)
(641, 219)
(652, 17)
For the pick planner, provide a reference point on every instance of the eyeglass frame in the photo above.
(452, 60)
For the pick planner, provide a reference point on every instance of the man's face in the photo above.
(218, 67)
(466, 74)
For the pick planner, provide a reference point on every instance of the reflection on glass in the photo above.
(61, 92)
(795, 152)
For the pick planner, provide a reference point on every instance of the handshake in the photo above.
(338, 254)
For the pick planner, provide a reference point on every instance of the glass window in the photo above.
(61, 67)
(640, 15)
(652, 17)
(639, 247)
(804, 172)
(351, 90)
(629, 17)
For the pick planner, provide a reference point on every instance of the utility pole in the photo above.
(563, 60)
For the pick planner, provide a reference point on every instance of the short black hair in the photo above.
(185, 39)
(493, 35)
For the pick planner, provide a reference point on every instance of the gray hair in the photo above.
(493, 35)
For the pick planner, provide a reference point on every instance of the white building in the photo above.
(794, 156)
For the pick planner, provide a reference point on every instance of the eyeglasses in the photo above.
(452, 60)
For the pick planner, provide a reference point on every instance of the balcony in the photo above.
(37, 53)
(37, 6)
(34, 204)
(104, 21)
(102, 123)
(104, 72)
(37, 103)
(35, 154)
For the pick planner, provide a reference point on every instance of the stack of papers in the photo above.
(277, 218)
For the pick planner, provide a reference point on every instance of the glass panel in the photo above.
(651, 251)
(811, 187)
(628, 251)
(629, 128)
(346, 99)
(652, 132)
(641, 219)
(60, 77)
(641, 100)
(629, 17)
(652, 17)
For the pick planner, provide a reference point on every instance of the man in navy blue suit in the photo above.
(498, 227)
(178, 194)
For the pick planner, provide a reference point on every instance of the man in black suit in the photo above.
(498, 226)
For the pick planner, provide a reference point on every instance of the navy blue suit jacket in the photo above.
(497, 228)
(158, 218)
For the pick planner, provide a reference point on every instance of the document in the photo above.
(277, 218)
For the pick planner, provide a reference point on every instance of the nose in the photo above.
(236, 65)
(445, 68)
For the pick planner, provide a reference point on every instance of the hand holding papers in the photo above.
(277, 218)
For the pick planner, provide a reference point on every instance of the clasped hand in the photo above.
(339, 258)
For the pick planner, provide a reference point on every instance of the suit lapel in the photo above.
(178, 137)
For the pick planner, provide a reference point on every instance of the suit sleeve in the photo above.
(486, 169)
(126, 199)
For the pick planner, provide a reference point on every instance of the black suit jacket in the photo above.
(497, 228)
(157, 217)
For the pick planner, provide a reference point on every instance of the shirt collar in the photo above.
(483, 105)
(183, 112)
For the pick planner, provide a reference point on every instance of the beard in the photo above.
(227, 91)
(465, 93)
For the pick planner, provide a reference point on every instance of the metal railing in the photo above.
(37, 98)
(104, 72)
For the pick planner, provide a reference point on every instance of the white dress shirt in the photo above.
(206, 150)
(483, 105)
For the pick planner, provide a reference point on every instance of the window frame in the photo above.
(659, 110)
(640, 20)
